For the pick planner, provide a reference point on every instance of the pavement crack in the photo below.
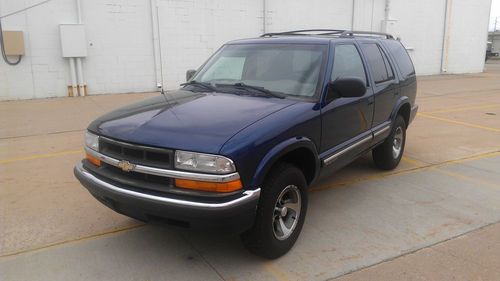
(414, 250)
(203, 257)
(42, 134)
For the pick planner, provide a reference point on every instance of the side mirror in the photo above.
(189, 74)
(346, 87)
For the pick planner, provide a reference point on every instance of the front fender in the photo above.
(278, 152)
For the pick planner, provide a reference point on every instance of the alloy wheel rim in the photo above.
(397, 144)
(286, 212)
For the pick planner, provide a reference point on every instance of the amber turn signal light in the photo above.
(93, 160)
(209, 186)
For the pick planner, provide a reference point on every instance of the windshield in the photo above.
(287, 69)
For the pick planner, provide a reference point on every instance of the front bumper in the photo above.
(234, 215)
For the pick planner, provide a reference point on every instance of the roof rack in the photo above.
(329, 32)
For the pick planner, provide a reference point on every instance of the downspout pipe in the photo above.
(353, 14)
(264, 11)
(446, 35)
(74, 86)
(387, 14)
(79, 67)
(156, 44)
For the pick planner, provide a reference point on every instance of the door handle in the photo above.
(371, 100)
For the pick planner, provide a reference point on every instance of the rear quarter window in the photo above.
(379, 65)
(402, 58)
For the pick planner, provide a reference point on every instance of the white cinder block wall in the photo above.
(120, 35)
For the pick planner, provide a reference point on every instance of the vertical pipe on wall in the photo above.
(79, 68)
(352, 16)
(387, 14)
(373, 11)
(74, 89)
(79, 71)
(156, 43)
(263, 16)
(159, 45)
(79, 11)
(446, 35)
(387, 17)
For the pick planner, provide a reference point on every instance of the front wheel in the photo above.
(388, 154)
(280, 214)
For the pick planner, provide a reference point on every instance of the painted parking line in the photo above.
(463, 108)
(425, 115)
(98, 235)
(40, 156)
(414, 161)
(401, 172)
(473, 180)
(273, 268)
(276, 271)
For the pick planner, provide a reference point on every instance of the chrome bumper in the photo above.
(88, 179)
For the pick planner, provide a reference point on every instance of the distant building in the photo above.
(494, 38)
(132, 46)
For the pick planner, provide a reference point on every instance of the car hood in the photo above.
(186, 120)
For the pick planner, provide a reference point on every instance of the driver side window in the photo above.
(347, 62)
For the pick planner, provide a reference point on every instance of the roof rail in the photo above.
(328, 32)
(302, 31)
(352, 33)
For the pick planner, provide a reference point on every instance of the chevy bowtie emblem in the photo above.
(126, 166)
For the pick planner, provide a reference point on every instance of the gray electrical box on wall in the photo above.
(13, 43)
(73, 40)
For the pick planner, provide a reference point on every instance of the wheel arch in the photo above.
(403, 108)
(300, 151)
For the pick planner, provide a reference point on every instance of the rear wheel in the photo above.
(280, 214)
(388, 154)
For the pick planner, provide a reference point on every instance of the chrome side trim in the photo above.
(327, 161)
(248, 195)
(382, 130)
(165, 172)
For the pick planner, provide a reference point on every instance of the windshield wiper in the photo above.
(204, 85)
(259, 89)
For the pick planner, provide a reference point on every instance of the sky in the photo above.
(495, 12)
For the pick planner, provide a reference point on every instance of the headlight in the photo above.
(91, 141)
(200, 162)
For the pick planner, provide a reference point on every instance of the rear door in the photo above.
(385, 83)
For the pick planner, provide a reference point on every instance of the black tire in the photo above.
(384, 155)
(264, 238)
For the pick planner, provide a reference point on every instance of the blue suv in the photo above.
(238, 145)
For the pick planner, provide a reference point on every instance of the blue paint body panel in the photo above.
(255, 131)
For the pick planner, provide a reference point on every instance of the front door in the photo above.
(346, 122)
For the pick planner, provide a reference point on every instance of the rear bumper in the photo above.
(234, 215)
(413, 113)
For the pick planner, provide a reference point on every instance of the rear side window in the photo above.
(379, 65)
(401, 56)
(347, 62)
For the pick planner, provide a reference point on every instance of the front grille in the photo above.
(135, 179)
(137, 154)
